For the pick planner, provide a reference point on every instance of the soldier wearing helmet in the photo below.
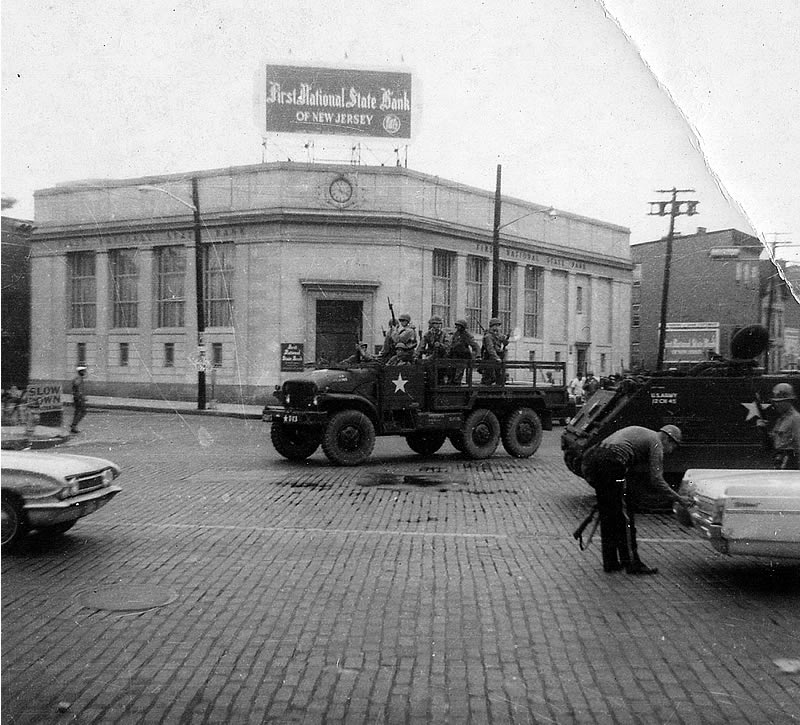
(463, 346)
(784, 435)
(360, 356)
(493, 351)
(607, 467)
(433, 344)
(404, 339)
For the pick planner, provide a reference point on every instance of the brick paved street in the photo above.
(408, 590)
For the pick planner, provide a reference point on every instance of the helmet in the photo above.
(405, 316)
(494, 321)
(435, 320)
(461, 323)
(783, 391)
(80, 368)
(673, 432)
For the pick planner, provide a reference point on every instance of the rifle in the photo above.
(578, 533)
(395, 323)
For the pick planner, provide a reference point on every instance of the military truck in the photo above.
(343, 409)
(716, 404)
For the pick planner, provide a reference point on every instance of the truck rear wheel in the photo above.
(426, 443)
(295, 442)
(522, 433)
(481, 433)
(349, 438)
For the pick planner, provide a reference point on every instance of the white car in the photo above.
(51, 491)
(755, 512)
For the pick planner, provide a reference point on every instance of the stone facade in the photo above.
(305, 255)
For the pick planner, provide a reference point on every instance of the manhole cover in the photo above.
(126, 597)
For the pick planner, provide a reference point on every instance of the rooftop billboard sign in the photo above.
(338, 101)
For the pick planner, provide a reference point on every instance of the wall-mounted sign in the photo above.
(690, 341)
(292, 357)
(341, 101)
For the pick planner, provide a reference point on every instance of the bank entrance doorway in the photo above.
(338, 329)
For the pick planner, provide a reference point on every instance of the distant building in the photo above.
(716, 287)
(16, 300)
(297, 263)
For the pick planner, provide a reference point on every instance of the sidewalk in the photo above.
(16, 437)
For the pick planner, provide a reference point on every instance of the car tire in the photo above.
(13, 522)
(481, 433)
(426, 443)
(522, 433)
(294, 442)
(349, 438)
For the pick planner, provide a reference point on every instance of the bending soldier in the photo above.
(360, 356)
(463, 346)
(606, 467)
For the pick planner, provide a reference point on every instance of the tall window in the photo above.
(124, 354)
(124, 287)
(83, 289)
(579, 300)
(443, 264)
(80, 354)
(169, 354)
(216, 354)
(505, 295)
(218, 277)
(534, 297)
(170, 292)
(476, 281)
(635, 315)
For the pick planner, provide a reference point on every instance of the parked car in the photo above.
(51, 491)
(755, 512)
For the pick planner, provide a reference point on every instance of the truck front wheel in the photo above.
(295, 442)
(426, 443)
(522, 432)
(349, 438)
(481, 433)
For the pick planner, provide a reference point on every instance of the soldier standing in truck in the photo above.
(494, 352)
(405, 341)
(784, 435)
(463, 346)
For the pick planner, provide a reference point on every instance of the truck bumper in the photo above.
(274, 414)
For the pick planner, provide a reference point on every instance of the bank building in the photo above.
(297, 263)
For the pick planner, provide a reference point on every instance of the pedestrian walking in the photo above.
(784, 435)
(463, 346)
(78, 398)
(607, 467)
(493, 351)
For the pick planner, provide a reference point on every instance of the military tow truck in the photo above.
(716, 404)
(343, 409)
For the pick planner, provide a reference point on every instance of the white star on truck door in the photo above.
(399, 384)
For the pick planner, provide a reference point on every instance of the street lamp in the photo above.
(198, 281)
(552, 214)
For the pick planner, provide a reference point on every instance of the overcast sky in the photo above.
(588, 106)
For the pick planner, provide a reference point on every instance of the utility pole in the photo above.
(496, 248)
(199, 296)
(771, 296)
(673, 208)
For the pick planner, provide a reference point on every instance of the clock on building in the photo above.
(341, 190)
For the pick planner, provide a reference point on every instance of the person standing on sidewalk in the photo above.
(607, 467)
(78, 398)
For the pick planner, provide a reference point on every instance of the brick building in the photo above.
(717, 286)
(297, 263)
(16, 323)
